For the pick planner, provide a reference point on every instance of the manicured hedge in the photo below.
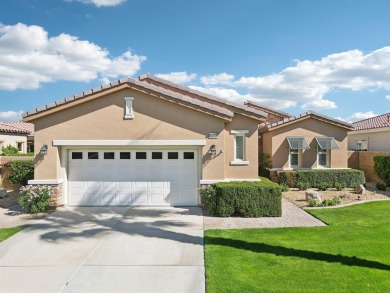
(382, 168)
(244, 199)
(350, 177)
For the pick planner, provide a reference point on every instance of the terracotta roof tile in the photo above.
(373, 122)
(17, 127)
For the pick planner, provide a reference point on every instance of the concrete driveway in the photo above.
(109, 249)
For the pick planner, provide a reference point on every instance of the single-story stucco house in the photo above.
(307, 141)
(372, 134)
(142, 141)
(17, 134)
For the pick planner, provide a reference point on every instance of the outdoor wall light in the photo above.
(43, 150)
(213, 150)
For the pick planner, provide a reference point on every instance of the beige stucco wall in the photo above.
(377, 141)
(13, 139)
(154, 119)
(275, 143)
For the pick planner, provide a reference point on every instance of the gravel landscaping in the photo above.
(346, 196)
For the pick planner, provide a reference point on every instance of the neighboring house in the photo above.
(372, 134)
(143, 141)
(307, 141)
(17, 134)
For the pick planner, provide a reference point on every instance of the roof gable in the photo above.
(309, 114)
(209, 105)
(268, 110)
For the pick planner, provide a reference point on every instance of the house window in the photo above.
(324, 146)
(296, 144)
(239, 147)
(362, 145)
(129, 108)
(20, 146)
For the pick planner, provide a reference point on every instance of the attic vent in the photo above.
(129, 108)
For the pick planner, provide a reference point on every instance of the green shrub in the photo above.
(283, 187)
(303, 185)
(264, 165)
(380, 186)
(382, 168)
(340, 186)
(9, 151)
(35, 198)
(22, 171)
(208, 199)
(287, 177)
(349, 177)
(313, 203)
(245, 199)
(323, 186)
(331, 202)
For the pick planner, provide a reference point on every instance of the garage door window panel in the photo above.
(140, 155)
(173, 155)
(77, 155)
(188, 155)
(157, 155)
(125, 156)
(109, 155)
(93, 155)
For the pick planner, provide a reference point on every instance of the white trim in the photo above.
(129, 108)
(45, 181)
(129, 142)
(239, 163)
(227, 180)
(239, 131)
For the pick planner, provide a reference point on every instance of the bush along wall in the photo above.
(243, 199)
(382, 168)
(315, 178)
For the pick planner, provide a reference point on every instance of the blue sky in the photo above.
(332, 57)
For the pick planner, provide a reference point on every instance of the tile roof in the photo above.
(212, 98)
(373, 122)
(17, 127)
(267, 109)
(208, 105)
(267, 126)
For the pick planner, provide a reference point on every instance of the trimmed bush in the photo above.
(244, 199)
(382, 168)
(264, 165)
(288, 178)
(22, 171)
(9, 151)
(331, 202)
(323, 186)
(380, 186)
(348, 177)
(303, 185)
(340, 186)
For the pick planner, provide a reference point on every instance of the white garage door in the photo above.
(137, 177)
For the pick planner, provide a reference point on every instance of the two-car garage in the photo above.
(123, 177)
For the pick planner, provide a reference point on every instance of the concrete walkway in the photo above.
(107, 250)
(292, 216)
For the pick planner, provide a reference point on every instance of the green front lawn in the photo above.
(352, 254)
(8, 232)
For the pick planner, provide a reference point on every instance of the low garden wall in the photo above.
(365, 161)
(4, 170)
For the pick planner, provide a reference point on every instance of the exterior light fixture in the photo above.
(213, 150)
(43, 150)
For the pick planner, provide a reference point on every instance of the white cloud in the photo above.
(387, 97)
(223, 93)
(100, 3)
(10, 116)
(308, 82)
(358, 116)
(178, 77)
(221, 78)
(319, 104)
(29, 57)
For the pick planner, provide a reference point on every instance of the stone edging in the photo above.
(344, 205)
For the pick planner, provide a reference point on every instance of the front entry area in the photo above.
(132, 177)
